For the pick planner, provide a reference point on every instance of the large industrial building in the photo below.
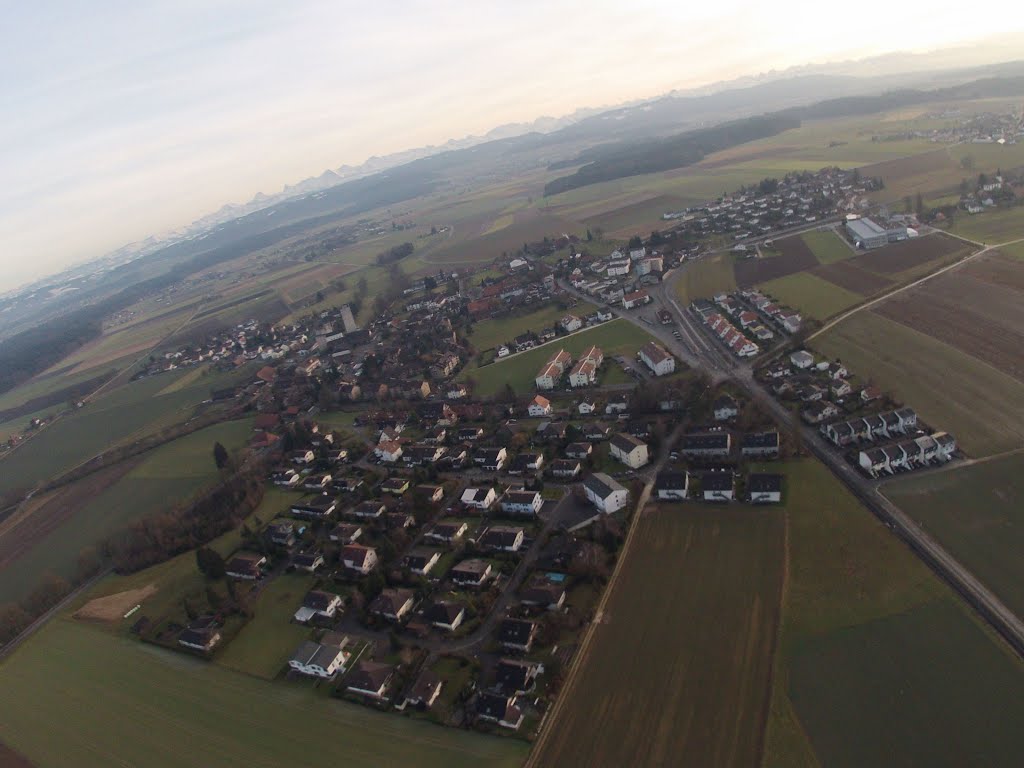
(867, 233)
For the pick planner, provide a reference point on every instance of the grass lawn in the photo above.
(614, 338)
(874, 649)
(173, 710)
(488, 334)
(977, 513)
(679, 669)
(165, 476)
(827, 246)
(704, 278)
(265, 644)
(981, 406)
(811, 295)
(997, 226)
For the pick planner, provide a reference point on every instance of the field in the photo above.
(811, 295)
(265, 643)
(981, 406)
(636, 218)
(119, 702)
(853, 278)
(827, 247)
(617, 337)
(679, 670)
(999, 226)
(794, 256)
(878, 664)
(978, 309)
(488, 334)
(977, 513)
(705, 277)
(51, 538)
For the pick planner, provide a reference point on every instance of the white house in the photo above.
(657, 359)
(479, 498)
(802, 359)
(605, 493)
(318, 660)
(672, 486)
(446, 615)
(522, 502)
(635, 299)
(764, 489)
(318, 604)
(571, 323)
(358, 558)
(539, 406)
(629, 450)
(586, 407)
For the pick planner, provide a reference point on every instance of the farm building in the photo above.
(866, 233)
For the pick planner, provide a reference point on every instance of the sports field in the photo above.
(679, 669)
(811, 295)
(617, 337)
(78, 696)
(982, 406)
(878, 663)
(977, 513)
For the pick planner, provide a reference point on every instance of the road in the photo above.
(699, 350)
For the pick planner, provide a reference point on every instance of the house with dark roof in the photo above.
(446, 614)
(541, 592)
(629, 450)
(764, 488)
(672, 486)
(447, 531)
(522, 502)
(760, 445)
(346, 533)
(502, 538)
(718, 485)
(526, 462)
(318, 604)
(516, 675)
(492, 459)
(247, 566)
(371, 679)
(471, 573)
(725, 408)
(605, 493)
(307, 561)
(421, 560)
(358, 558)
(500, 709)
(706, 445)
(424, 692)
(392, 604)
(319, 659)
(517, 634)
(566, 469)
(367, 510)
(316, 508)
(201, 634)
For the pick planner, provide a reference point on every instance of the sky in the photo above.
(121, 119)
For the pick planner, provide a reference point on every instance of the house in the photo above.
(725, 408)
(479, 498)
(583, 374)
(491, 459)
(616, 404)
(718, 486)
(346, 533)
(635, 299)
(553, 370)
(430, 493)
(503, 538)
(543, 592)
(370, 678)
(517, 634)
(908, 418)
(522, 502)
(539, 406)
(317, 508)
(338, 455)
(423, 455)
(672, 486)
(586, 407)
(471, 573)
(571, 323)
(840, 388)
(657, 359)
(281, 534)
(358, 558)
(469, 434)
(760, 445)
(389, 451)
(367, 510)
(764, 488)
(317, 481)
(307, 561)
(447, 532)
(819, 411)
(706, 445)
(421, 560)
(246, 566)
(578, 450)
(526, 462)
(286, 478)
(395, 485)
(318, 660)
(424, 691)
(500, 709)
(399, 519)
(392, 604)
(515, 675)
(629, 450)
(802, 360)
(566, 469)
(446, 614)
(596, 431)
(870, 393)
(303, 456)
(201, 634)
(318, 604)
(605, 493)
(875, 461)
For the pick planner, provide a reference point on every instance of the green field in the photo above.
(78, 696)
(999, 226)
(977, 513)
(811, 295)
(265, 643)
(614, 338)
(679, 669)
(878, 664)
(488, 334)
(704, 278)
(828, 247)
(981, 406)
(168, 474)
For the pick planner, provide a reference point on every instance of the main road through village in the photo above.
(700, 350)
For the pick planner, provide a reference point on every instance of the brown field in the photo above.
(114, 607)
(899, 257)
(980, 318)
(636, 217)
(852, 278)
(11, 759)
(997, 268)
(526, 226)
(795, 256)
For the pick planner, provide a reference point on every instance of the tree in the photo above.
(590, 236)
(210, 563)
(636, 242)
(919, 205)
(220, 455)
(908, 204)
(967, 162)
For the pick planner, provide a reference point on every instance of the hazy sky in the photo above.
(119, 119)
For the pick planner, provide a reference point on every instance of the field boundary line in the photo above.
(532, 761)
(777, 641)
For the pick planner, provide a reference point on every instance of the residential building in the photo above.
(517, 634)
(392, 604)
(719, 485)
(503, 538)
(522, 502)
(491, 459)
(371, 679)
(657, 359)
(672, 486)
(516, 675)
(318, 660)
(425, 690)
(571, 323)
(605, 493)
(707, 445)
(479, 498)
(446, 614)
(246, 566)
(760, 445)
(471, 573)
(725, 408)
(358, 558)
(447, 532)
(318, 604)
(629, 450)
(539, 406)
(421, 560)
(500, 709)
(764, 488)
(802, 359)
